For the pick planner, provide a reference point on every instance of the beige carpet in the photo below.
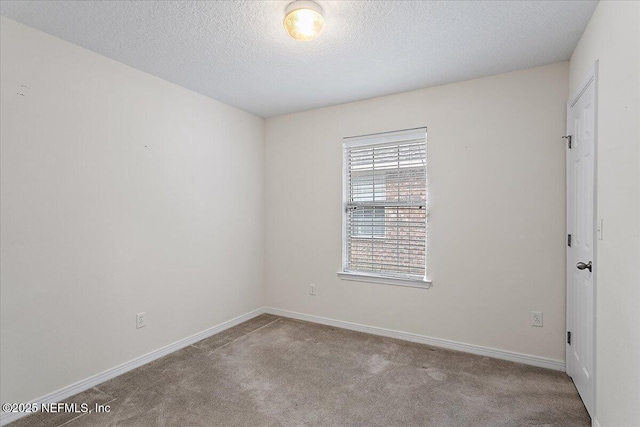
(272, 371)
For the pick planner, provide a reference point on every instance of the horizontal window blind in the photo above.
(385, 211)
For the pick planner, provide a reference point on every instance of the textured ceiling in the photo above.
(238, 52)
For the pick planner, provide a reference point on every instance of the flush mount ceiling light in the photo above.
(304, 20)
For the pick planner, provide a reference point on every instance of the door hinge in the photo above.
(568, 337)
(568, 138)
(569, 240)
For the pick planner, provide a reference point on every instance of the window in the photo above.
(385, 211)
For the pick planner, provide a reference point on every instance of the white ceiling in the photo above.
(238, 52)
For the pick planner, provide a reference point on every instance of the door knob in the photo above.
(583, 266)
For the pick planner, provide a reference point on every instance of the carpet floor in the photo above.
(273, 371)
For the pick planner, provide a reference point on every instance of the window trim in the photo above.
(382, 138)
(385, 280)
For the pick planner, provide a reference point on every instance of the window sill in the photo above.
(373, 278)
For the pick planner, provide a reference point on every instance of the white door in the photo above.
(580, 254)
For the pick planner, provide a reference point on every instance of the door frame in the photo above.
(591, 78)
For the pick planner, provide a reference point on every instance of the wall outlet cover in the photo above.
(536, 318)
(140, 320)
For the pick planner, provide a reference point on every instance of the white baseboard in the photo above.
(87, 383)
(528, 359)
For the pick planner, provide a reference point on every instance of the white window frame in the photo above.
(387, 278)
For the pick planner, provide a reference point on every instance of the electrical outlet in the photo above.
(140, 320)
(536, 318)
(312, 289)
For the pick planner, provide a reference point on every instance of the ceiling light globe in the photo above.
(304, 20)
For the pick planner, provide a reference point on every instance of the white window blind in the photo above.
(385, 218)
